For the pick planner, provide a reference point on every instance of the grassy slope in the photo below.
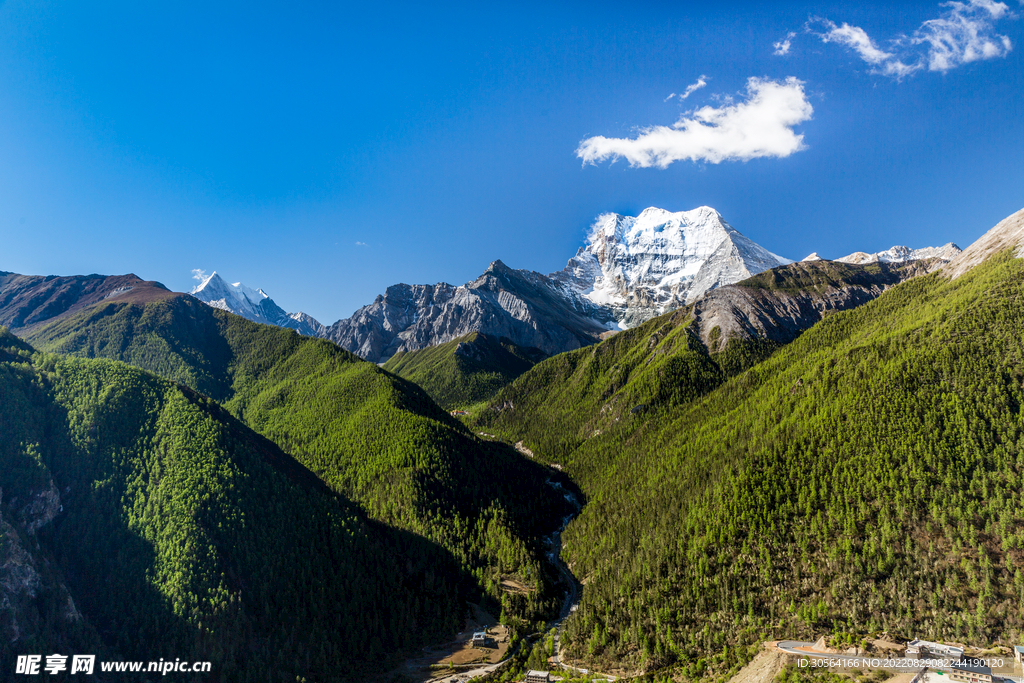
(458, 380)
(365, 432)
(864, 477)
(184, 534)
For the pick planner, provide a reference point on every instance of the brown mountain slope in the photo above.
(27, 300)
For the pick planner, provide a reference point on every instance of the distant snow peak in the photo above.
(813, 256)
(660, 260)
(252, 304)
(900, 254)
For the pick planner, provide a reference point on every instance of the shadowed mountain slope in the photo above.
(141, 521)
(366, 433)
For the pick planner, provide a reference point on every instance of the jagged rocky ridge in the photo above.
(253, 304)
(528, 308)
(632, 269)
(777, 305)
(897, 254)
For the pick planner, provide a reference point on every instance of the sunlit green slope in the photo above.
(864, 477)
(466, 370)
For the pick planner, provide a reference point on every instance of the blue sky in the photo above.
(327, 151)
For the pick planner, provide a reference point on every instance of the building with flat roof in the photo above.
(537, 677)
(479, 638)
(970, 673)
(1018, 653)
(926, 648)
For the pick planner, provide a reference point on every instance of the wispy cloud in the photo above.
(198, 274)
(690, 89)
(964, 33)
(760, 126)
(360, 244)
(783, 46)
(855, 38)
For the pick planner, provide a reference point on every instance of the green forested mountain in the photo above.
(363, 431)
(140, 520)
(678, 356)
(864, 477)
(466, 370)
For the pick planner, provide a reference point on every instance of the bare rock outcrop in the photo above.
(779, 304)
(1008, 233)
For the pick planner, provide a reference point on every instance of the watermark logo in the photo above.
(36, 665)
(30, 665)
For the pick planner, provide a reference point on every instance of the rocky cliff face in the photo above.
(778, 305)
(22, 579)
(1008, 234)
(528, 308)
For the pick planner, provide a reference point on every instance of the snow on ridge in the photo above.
(660, 260)
(252, 304)
(901, 254)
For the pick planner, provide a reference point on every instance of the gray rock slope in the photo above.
(526, 307)
(777, 305)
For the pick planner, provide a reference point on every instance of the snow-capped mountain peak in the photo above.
(236, 298)
(253, 304)
(645, 265)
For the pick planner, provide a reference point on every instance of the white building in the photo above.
(925, 648)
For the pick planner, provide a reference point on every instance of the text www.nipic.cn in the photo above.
(35, 665)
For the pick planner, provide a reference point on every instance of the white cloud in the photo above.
(782, 47)
(360, 244)
(690, 89)
(760, 126)
(964, 33)
(855, 38)
(694, 87)
(198, 274)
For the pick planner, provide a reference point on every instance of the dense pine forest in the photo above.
(466, 370)
(144, 521)
(865, 477)
(367, 434)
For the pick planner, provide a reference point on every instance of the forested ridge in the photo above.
(177, 532)
(466, 370)
(864, 477)
(366, 433)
